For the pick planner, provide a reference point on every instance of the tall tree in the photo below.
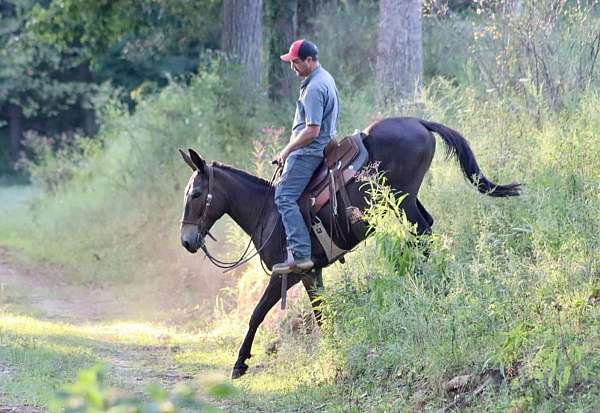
(37, 81)
(15, 130)
(307, 10)
(282, 16)
(399, 51)
(242, 36)
(55, 53)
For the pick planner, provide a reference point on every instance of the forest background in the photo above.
(96, 97)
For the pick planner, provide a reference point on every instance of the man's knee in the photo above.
(283, 201)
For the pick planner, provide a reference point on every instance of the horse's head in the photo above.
(200, 208)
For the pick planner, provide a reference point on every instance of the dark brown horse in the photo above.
(403, 148)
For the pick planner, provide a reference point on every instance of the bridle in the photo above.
(201, 223)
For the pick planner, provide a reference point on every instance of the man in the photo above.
(317, 110)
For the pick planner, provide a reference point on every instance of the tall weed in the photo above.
(508, 285)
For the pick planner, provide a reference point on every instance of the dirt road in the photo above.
(137, 354)
(42, 291)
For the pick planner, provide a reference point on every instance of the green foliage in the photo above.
(545, 51)
(393, 234)
(30, 71)
(507, 285)
(133, 170)
(130, 42)
(54, 162)
(512, 346)
(100, 25)
(58, 58)
(90, 394)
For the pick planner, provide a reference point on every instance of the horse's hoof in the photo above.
(239, 371)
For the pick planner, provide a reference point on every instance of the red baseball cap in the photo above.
(300, 49)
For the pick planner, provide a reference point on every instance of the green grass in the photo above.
(15, 213)
(40, 357)
(14, 197)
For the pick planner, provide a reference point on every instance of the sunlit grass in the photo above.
(38, 357)
(117, 332)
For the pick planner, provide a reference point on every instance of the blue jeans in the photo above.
(297, 171)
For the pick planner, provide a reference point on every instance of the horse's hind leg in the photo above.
(417, 214)
(424, 213)
(269, 298)
(414, 215)
(313, 283)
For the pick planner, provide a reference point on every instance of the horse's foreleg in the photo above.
(313, 283)
(269, 298)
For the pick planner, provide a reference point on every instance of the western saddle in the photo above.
(342, 161)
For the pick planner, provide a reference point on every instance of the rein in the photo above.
(244, 258)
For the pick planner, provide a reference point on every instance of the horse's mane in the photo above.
(252, 178)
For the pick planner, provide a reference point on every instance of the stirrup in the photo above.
(291, 265)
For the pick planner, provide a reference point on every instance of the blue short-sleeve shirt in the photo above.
(318, 104)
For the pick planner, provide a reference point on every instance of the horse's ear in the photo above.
(187, 159)
(197, 160)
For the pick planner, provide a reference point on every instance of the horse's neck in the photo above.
(247, 201)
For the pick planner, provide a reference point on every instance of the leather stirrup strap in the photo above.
(291, 263)
(332, 192)
(345, 200)
(283, 291)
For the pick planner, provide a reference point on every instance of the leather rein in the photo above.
(201, 223)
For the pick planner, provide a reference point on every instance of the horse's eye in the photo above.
(195, 194)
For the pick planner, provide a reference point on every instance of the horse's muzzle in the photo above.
(191, 240)
(189, 246)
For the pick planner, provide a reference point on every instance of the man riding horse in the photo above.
(402, 147)
(317, 111)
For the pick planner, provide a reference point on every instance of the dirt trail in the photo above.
(43, 293)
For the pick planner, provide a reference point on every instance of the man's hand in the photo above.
(280, 158)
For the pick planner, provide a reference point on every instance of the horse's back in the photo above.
(404, 149)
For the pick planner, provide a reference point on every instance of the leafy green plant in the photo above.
(395, 237)
(555, 366)
(53, 162)
(91, 394)
(513, 344)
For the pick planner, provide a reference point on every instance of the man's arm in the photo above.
(306, 136)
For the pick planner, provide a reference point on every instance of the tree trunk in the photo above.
(307, 10)
(399, 51)
(283, 20)
(242, 36)
(88, 112)
(15, 130)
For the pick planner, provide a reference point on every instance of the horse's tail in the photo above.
(459, 147)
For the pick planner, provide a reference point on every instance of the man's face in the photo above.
(302, 67)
